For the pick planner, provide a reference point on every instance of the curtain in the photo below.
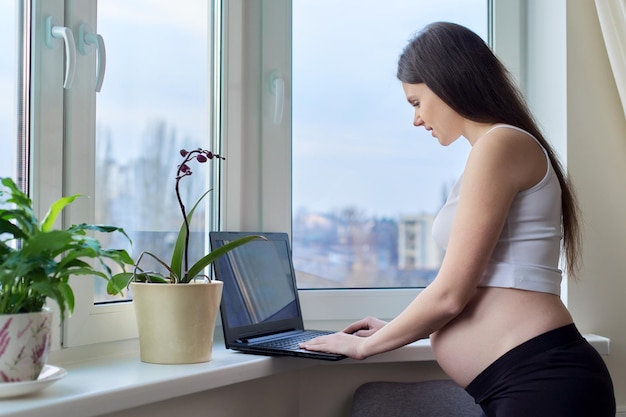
(612, 15)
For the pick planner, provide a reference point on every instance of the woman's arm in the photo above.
(497, 169)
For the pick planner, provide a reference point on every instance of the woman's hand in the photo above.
(340, 342)
(365, 327)
(350, 342)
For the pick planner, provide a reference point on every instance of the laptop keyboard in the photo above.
(292, 342)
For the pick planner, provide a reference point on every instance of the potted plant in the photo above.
(176, 322)
(36, 263)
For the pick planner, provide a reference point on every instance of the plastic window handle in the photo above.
(278, 88)
(86, 39)
(61, 32)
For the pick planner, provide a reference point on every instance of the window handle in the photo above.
(277, 88)
(64, 33)
(86, 38)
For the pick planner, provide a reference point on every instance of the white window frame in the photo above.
(60, 120)
(46, 114)
(256, 183)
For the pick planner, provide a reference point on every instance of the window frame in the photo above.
(45, 133)
(60, 120)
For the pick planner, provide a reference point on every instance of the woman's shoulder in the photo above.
(508, 135)
(511, 152)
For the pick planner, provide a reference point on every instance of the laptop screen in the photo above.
(259, 289)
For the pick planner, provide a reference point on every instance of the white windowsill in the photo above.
(110, 377)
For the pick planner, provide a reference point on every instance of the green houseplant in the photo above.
(36, 263)
(176, 322)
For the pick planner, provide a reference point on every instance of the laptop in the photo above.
(260, 309)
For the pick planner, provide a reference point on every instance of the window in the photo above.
(154, 102)
(366, 183)
(81, 141)
(119, 145)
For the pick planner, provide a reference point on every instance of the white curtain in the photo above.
(612, 15)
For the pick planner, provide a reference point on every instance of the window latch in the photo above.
(61, 32)
(87, 38)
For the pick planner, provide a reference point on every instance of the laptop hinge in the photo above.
(266, 336)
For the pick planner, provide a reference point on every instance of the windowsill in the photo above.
(110, 377)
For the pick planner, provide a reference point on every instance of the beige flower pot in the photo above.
(24, 345)
(176, 322)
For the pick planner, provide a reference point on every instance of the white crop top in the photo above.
(527, 253)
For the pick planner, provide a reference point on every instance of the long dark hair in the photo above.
(461, 69)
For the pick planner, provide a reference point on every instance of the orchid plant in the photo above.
(178, 269)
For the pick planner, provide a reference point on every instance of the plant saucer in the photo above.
(49, 375)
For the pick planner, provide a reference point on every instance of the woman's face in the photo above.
(433, 113)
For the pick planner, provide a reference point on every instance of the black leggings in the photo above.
(556, 374)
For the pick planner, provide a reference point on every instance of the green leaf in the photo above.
(118, 255)
(68, 296)
(8, 227)
(17, 196)
(119, 282)
(103, 228)
(152, 277)
(24, 219)
(212, 256)
(54, 242)
(87, 270)
(176, 264)
(50, 290)
(4, 250)
(71, 261)
(54, 210)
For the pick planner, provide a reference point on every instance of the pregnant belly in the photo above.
(495, 321)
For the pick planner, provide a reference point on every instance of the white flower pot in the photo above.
(24, 345)
(176, 322)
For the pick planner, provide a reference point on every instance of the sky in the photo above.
(354, 144)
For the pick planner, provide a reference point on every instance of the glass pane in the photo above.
(366, 183)
(8, 86)
(152, 104)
